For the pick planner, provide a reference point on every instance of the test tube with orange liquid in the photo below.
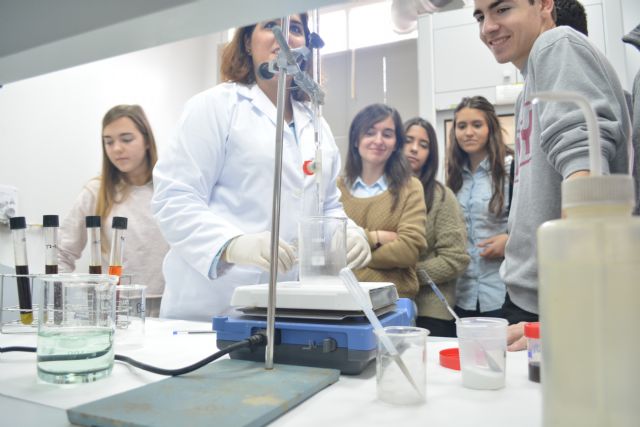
(118, 227)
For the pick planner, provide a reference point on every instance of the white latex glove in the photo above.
(255, 249)
(358, 251)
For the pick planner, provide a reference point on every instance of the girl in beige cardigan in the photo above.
(381, 196)
(446, 256)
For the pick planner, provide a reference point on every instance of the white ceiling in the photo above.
(41, 36)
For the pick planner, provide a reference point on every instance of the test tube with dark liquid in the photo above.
(95, 252)
(119, 226)
(18, 226)
(50, 230)
(50, 224)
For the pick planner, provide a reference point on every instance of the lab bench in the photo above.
(25, 401)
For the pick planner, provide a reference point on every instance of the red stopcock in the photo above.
(309, 167)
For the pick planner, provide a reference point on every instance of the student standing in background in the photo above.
(124, 188)
(572, 14)
(445, 257)
(381, 196)
(633, 38)
(478, 167)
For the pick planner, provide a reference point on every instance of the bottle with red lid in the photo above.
(534, 351)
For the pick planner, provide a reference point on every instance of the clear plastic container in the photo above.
(483, 346)
(534, 351)
(392, 384)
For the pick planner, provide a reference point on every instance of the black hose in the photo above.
(252, 341)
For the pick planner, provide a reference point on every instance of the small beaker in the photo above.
(130, 314)
(125, 279)
(76, 327)
(483, 347)
(393, 386)
(322, 250)
(19, 313)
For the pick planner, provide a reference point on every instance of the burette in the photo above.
(316, 43)
(312, 167)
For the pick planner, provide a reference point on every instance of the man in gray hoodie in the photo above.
(551, 138)
(633, 38)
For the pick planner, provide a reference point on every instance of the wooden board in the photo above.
(225, 393)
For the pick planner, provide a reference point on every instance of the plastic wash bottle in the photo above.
(589, 297)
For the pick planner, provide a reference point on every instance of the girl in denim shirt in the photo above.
(478, 172)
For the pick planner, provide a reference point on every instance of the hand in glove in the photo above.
(255, 249)
(358, 251)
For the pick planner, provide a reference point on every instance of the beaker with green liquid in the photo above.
(75, 334)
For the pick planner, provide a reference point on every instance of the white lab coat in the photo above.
(215, 181)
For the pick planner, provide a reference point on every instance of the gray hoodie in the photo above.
(633, 38)
(551, 144)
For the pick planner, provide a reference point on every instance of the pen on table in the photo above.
(193, 332)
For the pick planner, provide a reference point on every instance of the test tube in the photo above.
(50, 224)
(119, 225)
(18, 226)
(93, 234)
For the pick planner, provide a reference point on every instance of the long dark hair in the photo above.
(237, 64)
(496, 148)
(396, 169)
(427, 174)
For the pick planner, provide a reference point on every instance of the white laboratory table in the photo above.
(25, 401)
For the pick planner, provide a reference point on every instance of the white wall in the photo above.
(50, 125)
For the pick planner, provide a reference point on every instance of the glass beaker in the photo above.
(16, 318)
(130, 314)
(322, 249)
(76, 324)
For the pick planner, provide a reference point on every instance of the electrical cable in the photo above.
(251, 342)
(18, 348)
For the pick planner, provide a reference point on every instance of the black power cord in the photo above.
(251, 342)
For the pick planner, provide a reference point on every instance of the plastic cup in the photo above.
(392, 384)
(76, 324)
(483, 347)
(130, 314)
(322, 250)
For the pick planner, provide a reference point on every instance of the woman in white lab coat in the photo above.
(214, 183)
